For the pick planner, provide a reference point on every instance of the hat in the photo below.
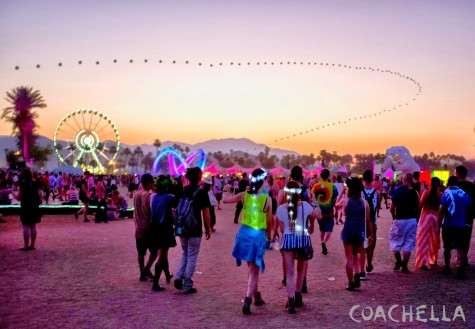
(208, 180)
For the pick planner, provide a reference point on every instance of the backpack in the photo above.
(185, 221)
(372, 210)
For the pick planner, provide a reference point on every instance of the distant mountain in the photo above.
(214, 145)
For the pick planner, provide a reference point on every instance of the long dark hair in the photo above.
(355, 187)
(433, 194)
(257, 180)
(292, 191)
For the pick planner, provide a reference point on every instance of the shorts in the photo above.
(402, 235)
(326, 224)
(454, 238)
(142, 245)
(355, 240)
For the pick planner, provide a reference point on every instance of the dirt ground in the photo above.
(85, 275)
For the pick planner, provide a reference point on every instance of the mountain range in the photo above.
(226, 145)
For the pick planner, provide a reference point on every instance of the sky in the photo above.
(431, 42)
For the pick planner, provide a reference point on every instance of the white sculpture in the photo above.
(399, 158)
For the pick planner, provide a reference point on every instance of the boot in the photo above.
(404, 266)
(398, 261)
(304, 285)
(298, 299)
(291, 305)
(168, 276)
(246, 307)
(258, 301)
(351, 286)
(156, 279)
(357, 279)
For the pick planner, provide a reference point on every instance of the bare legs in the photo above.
(29, 237)
(253, 278)
(353, 261)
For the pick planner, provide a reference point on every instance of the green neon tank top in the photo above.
(253, 214)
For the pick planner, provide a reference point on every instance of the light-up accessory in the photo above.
(292, 191)
(261, 177)
(173, 156)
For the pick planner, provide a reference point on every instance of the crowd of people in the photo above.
(282, 211)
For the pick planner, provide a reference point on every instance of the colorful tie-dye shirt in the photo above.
(325, 194)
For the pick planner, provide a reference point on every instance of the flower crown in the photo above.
(261, 177)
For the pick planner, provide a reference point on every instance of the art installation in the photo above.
(87, 138)
(416, 84)
(173, 156)
(398, 158)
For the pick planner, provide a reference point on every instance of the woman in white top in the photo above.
(293, 218)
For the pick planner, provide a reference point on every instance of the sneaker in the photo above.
(405, 269)
(157, 287)
(290, 306)
(324, 248)
(168, 278)
(178, 284)
(369, 268)
(148, 274)
(142, 278)
(362, 276)
(190, 291)
(357, 282)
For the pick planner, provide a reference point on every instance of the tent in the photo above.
(249, 171)
(279, 171)
(68, 169)
(233, 170)
(212, 170)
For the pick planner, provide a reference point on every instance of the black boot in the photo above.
(350, 286)
(258, 301)
(291, 305)
(298, 299)
(168, 276)
(404, 266)
(246, 307)
(398, 261)
(357, 279)
(304, 285)
(156, 279)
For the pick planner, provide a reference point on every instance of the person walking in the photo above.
(453, 217)
(428, 233)
(162, 236)
(30, 215)
(252, 237)
(357, 226)
(242, 187)
(191, 241)
(296, 220)
(402, 234)
(325, 194)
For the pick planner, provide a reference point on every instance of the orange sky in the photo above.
(430, 42)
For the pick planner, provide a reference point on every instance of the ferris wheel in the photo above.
(88, 139)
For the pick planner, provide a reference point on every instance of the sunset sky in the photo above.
(429, 41)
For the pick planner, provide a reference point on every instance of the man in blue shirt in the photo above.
(454, 209)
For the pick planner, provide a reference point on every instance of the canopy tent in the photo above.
(68, 169)
(233, 170)
(279, 171)
(212, 170)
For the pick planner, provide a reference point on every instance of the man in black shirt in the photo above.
(469, 188)
(242, 187)
(402, 235)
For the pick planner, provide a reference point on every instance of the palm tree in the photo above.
(126, 152)
(20, 113)
(157, 143)
(138, 153)
(147, 161)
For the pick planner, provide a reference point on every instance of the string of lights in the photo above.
(346, 120)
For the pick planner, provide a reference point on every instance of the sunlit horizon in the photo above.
(266, 103)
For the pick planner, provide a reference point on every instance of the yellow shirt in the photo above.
(253, 214)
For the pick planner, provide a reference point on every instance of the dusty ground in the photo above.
(85, 276)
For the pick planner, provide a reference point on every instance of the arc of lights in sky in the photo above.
(321, 64)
